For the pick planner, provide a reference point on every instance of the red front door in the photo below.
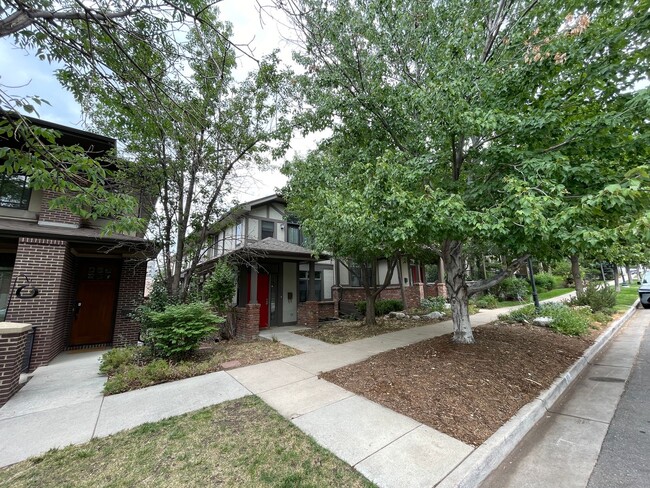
(263, 299)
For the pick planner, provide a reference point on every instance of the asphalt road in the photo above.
(624, 459)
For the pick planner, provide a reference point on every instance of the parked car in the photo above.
(644, 290)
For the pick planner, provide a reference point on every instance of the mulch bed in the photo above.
(465, 391)
(341, 331)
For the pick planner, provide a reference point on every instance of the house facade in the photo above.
(280, 280)
(58, 273)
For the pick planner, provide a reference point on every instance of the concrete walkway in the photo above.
(62, 405)
(562, 449)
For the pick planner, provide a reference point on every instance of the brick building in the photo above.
(58, 273)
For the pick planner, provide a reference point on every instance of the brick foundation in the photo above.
(13, 338)
(346, 297)
(48, 265)
(129, 297)
(326, 310)
(308, 314)
(247, 321)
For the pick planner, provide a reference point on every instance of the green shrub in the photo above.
(382, 307)
(599, 299)
(512, 289)
(566, 320)
(544, 281)
(487, 301)
(221, 286)
(179, 328)
(114, 359)
(434, 304)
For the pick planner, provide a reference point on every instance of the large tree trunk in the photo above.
(371, 319)
(575, 272)
(617, 281)
(457, 289)
(628, 272)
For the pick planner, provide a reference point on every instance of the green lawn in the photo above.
(542, 296)
(626, 297)
(238, 443)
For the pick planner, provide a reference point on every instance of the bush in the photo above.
(544, 281)
(114, 359)
(487, 301)
(599, 299)
(512, 289)
(566, 320)
(434, 304)
(382, 307)
(221, 286)
(179, 328)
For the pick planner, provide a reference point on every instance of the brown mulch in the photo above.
(465, 391)
(341, 331)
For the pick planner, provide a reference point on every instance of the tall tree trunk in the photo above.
(371, 318)
(575, 272)
(400, 277)
(617, 281)
(628, 272)
(457, 289)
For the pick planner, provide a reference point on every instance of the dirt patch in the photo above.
(465, 391)
(341, 331)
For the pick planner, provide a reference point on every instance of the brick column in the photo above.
(441, 289)
(48, 265)
(129, 297)
(247, 321)
(308, 314)
(13, 338)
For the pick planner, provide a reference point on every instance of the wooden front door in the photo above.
(263, 299)
(94, 306)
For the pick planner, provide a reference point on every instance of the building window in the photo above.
(268, 229)
(355, 275)
(294, 234)
(6, 270)
(14, 191)
(239, 232)
(303, 288)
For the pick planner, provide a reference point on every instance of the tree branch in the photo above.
(483, 285)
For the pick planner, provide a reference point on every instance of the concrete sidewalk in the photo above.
(562, 449)
(63, 404)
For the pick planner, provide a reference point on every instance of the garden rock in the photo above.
(397, 315)
(415, 317)
(434, 315)
(542, 321)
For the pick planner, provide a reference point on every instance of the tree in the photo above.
(359, 208)
(190, 141)
(494, 99)
(78, 35)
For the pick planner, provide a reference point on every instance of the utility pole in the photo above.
(532, 283)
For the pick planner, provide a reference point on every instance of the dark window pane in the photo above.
(14, 191)
(294, 236)
(267, 229)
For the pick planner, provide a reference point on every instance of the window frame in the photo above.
(262, 231)
(25, 196)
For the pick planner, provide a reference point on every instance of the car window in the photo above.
(646, 277)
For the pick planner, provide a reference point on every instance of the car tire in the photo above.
(646, 305)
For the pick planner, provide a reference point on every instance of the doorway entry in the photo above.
(95, 300)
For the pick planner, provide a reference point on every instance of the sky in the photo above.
(26, 75)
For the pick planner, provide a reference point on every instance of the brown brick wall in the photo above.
(48, 264)
(308, 314)
(414, 294)
(59, 216)
(129, 297)
(12, 350)
(326, 310)
(247, 321)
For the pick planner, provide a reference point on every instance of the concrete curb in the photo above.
(487, 457)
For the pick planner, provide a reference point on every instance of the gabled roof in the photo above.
(238, 210)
